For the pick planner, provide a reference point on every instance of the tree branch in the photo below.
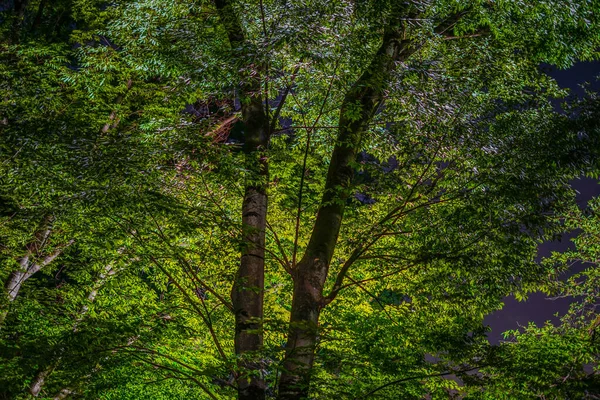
(283, 98)
(47, 260)
(286, 262)
(424, 376)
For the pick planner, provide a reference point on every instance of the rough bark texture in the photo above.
(248, 288)
(312, 270)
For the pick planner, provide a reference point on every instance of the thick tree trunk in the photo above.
(38, 15)
(303, 331)
(311, 273)
(248, 287)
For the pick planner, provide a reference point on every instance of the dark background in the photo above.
(538, 308)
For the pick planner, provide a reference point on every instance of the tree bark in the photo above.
(19, 16)
(38, 15)
(248, 287)
(13, 285)
(38, 382)
(312, 270)
(63, 394)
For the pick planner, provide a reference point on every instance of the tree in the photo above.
(409, 153)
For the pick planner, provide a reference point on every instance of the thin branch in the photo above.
(282, 101)
(395, 214)
(194, 305)
(375, 278)
(339, 286)
(424, 376)
(190, 377)
(306, 150)
(266, 67)
(157, 353)
(463, 37)
(178, 285)
(201, 282)
(286, 262)
(113, 115)
(300, 193)
(363, 248)
(361, 287)
(186, 263)
(47, 260)
(306, 127)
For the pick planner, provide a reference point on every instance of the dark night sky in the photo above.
(538, 308)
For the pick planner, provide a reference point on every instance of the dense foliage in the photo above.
(211, 199)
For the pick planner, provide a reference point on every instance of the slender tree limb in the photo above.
(205, 319)
(304, 160)
(112, 118)
(464, 36)
(193, 276)
(192, 303)
(410, 378)
(286, 262)
(47, 260)
(190, 377)
(283, 98)
(374, 297)
(332, 296)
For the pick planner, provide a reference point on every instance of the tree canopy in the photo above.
(293, 199)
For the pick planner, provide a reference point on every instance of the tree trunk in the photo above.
(19, 16)
(311, 273)
(303, 331)
(38, 15)
(248, 287)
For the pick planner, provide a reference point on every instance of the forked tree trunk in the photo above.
(311, 273)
